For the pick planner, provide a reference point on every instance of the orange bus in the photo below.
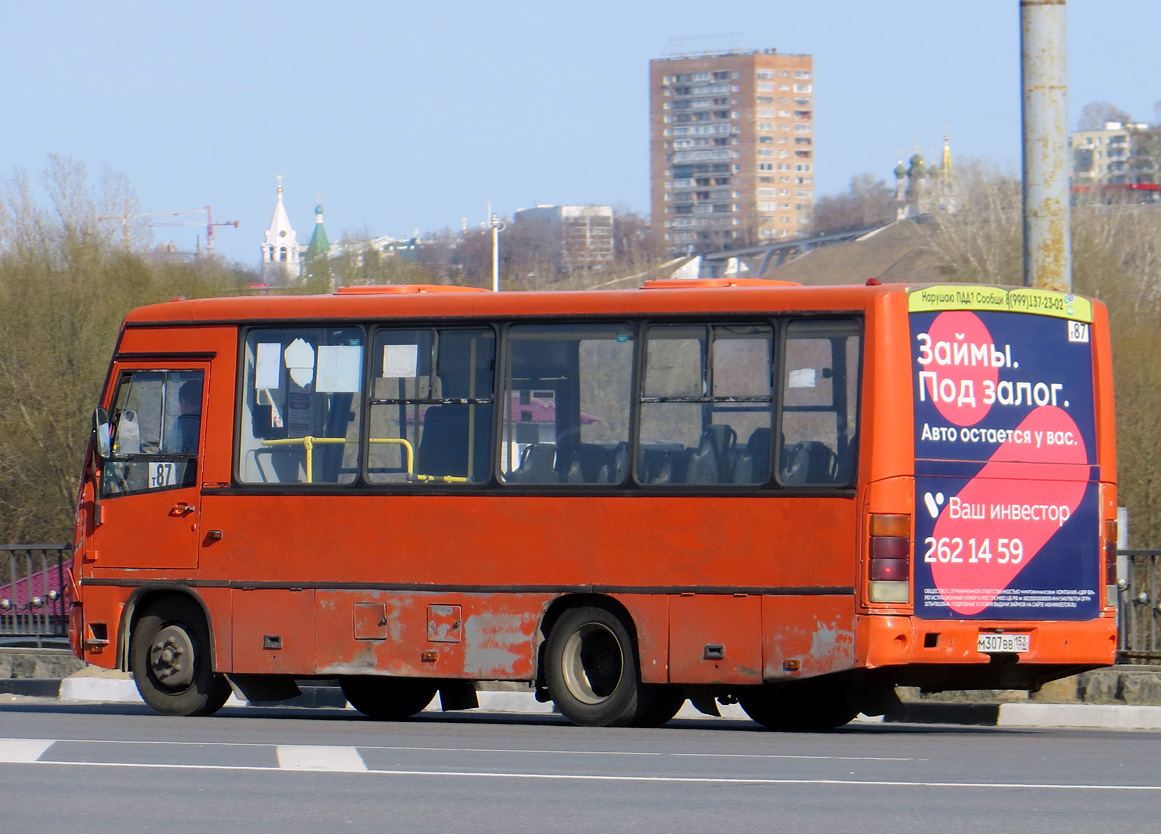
(794, 498)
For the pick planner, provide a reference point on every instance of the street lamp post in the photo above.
(498, 226)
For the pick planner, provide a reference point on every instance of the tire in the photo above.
(809, 706)
(658, 704)
(169, 655)
(388, 699)
(591, 669)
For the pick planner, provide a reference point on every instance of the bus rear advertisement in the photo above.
(725, 490)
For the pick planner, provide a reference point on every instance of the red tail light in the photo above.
(889, 562)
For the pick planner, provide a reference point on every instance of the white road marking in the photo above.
(307, 757)
(23, 750)
(791, 756)
(516, 750)
(682, 780)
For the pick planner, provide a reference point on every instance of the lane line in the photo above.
(23, 750)
(310, 757)
(682, 780)
(791, 756)
(534, 751)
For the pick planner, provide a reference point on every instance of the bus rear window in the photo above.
(819, 404)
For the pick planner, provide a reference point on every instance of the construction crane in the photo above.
(210, 223)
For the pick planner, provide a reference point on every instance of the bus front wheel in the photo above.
(169, 655)
(388, 699)
(591, 669)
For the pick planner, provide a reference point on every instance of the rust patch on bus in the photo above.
(805, 636)
(497, 645)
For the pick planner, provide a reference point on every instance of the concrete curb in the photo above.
(1111, 716)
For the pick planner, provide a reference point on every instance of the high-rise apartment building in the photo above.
(1112, 156)
(731, 139)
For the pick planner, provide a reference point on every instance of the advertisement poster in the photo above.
(1006, 516)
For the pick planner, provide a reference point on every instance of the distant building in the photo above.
(1101, 157)
(281, 252)
(320, 244)
(573, 237)
(1120, 159)
(731, 139)
(923, 190)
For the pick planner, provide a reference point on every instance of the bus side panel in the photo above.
(103, 609)
(715, 638)
(650, 616)
(803, 636)
(421, 634)
(708, 546)
(217, 602)
(273, 631)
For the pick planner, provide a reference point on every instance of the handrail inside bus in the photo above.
(308, 442)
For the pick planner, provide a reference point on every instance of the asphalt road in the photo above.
(105, 769)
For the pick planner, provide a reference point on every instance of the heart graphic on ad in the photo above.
(963, 333)
(1025, 492)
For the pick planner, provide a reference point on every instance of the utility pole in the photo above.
(1043, 73)
(498, 226)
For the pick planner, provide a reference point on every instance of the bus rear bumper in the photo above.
(893, 640)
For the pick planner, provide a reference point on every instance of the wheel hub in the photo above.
(171, 658)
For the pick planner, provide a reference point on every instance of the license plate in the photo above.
(1000, 643)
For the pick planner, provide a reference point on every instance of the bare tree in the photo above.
(65, 285)
(1116, 258)
(866, 201)
(981, 241)
(1095, 114)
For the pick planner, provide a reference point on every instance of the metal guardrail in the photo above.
(1139, 606)
(32, 605)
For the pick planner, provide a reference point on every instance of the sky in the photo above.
(420, 115)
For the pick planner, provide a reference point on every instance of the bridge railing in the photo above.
(32, 605)
(1139, 607)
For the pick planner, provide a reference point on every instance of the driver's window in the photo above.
(156, 426)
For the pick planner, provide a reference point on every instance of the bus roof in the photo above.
(672, 297)
(441, 301)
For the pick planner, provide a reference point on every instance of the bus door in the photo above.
(150, 503)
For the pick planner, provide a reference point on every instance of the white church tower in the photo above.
(281, 257)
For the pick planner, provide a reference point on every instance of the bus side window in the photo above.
(819, 419)
(706, 405)
(301, 420)
(567, 404)
(431, 406)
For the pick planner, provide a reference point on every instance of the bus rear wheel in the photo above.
(657, 705)
(169, 655)
(591, 669)
(388, 699)
(808, 706)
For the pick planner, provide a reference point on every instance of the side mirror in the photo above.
(102, 434)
